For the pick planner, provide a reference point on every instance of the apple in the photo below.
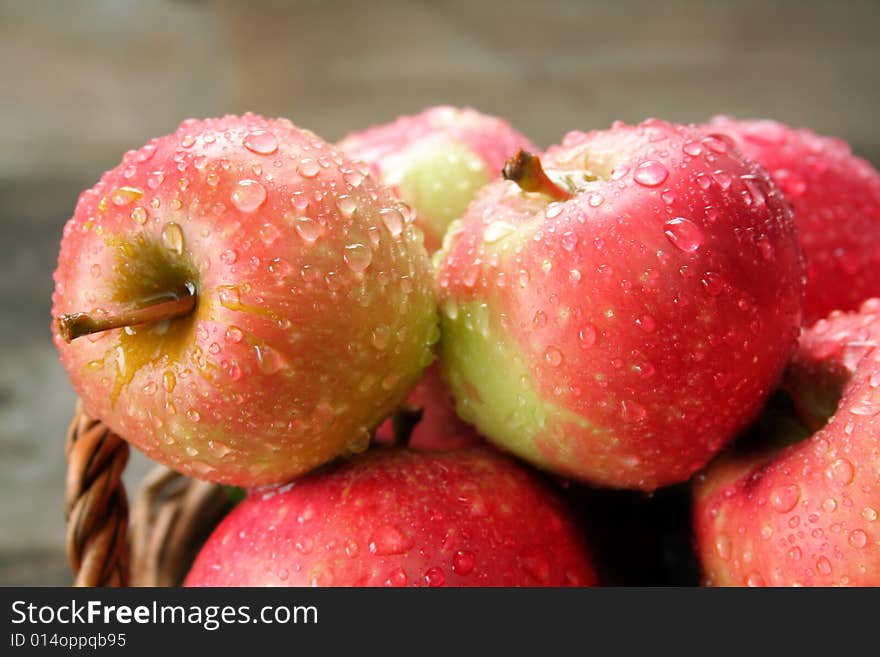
(835, 196)
(621, 310)
(805, 514)
(242, 302)
(429, 416)
(394, 517)
(437, 160)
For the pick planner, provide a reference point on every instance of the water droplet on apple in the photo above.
(358, 257)
(381, 336)
(784, 498)
(497, 230)
(269, 360)
(723, 547)
(139, 215)
(308, 228)
(553, 356)
(187, 141)
(248, 195)
(841, 472)
(823, 565)
(261, 142)
(172, 237)
(755, 579)
(463, 562)
(387, 540)
(126, 195)
(858, 538)
(434, 576)
(650, 173)
(684, 234)
(308, 168)
(587, 335)
(396, 577)
(229, 297)
(795, 553)
(647, 323)
(713, 284)
(692, 148)
(269, 233)
(393, 220)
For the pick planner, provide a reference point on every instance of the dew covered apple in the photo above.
(835, 196)
(436, 160)
(620, 311)
(805, 514)
(392, 517)
(241, 301)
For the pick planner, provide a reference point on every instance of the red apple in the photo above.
(805, 514)
(242, 302)
(437, 160)
(400, 518)
(836, 201)
(438, 425)
(620, 313)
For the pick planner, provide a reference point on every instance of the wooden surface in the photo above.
(82, 82)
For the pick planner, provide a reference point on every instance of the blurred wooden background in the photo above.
(80, 82)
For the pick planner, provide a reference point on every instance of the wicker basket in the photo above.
(155, 544)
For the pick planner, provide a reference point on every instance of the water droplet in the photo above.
(497, 230)
(381, 337)
(434, 577)
(717, 143)
(308, 168)
(169, 381)
(234, 334)
(270, 361)
(633, 411)
(723, 546)
(139, 215)
(795, 553)
(346, 205)
(869, 514)
(393, 220)
(823, 565)
(229, 297)
(784, 498)
(553, 356)
(187, 141)
(463, 562)
(269, 233)
(858, 538)
(96, 270)
(684, 234)
(172, 237)
(389, 540)
(713, 284)
(595, 200)
(647, 323)
(587, 335)
(755, 579)
(261, 142)
(228, 257)
(248, 195)
(841, 472)
(358, 257)
(396, 577)
(126, 195)
(650, 173)
(692, 148)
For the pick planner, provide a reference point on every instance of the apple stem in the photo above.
(526, 171)
(403, 421)
(163, 306)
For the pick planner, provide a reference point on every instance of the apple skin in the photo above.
(316, 309)
(805, 514)
(436, 160)
(835, 197)
(394, 517)
(439, 427)
(623, 336)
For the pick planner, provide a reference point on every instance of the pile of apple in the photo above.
(405, 345)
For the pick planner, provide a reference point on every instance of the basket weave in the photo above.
(155, 544)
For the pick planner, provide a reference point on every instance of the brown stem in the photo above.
(526, 171)
(164, 306)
